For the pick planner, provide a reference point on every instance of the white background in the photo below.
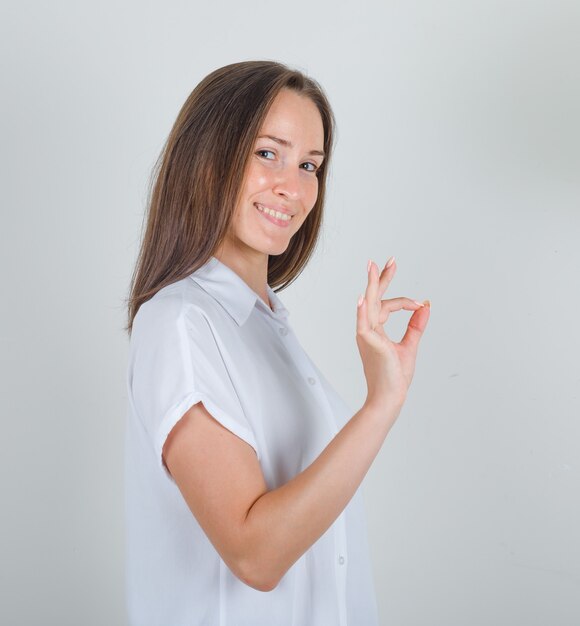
(458, 152)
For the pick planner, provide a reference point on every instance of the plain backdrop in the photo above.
(457, 151)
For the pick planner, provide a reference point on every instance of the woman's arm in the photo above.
(283, 523)
(260, 534)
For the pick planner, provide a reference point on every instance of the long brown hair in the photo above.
(198, 177)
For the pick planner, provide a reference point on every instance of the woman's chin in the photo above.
(274, 248)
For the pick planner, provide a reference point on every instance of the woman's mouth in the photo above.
(280, 219)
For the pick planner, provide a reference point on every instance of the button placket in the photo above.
(304, 365)
(341, 548)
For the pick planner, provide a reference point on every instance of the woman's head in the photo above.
(281, 179)
(213, 168)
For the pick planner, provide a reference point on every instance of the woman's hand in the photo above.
(388, 366)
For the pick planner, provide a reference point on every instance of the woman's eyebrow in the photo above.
(285, 142)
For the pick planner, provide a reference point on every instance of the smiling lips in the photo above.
(276, 217)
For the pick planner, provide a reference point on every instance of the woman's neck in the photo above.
(251, 267)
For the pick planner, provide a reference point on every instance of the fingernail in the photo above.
(360, 300)
(427, 303)
(390, 262)
(418, 303)
(369, 266)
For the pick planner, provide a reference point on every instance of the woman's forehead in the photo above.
(294, 117)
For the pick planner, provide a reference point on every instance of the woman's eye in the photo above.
(314, 168)
(261, 151)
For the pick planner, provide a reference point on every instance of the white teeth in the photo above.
(277, 214)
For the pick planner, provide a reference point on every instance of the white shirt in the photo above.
(210, 337)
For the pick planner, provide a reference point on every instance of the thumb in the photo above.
(416, 326)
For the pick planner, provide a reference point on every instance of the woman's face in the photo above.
(281, 176)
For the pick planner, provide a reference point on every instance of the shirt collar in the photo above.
(233, 293)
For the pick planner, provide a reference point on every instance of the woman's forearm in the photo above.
(283, 523)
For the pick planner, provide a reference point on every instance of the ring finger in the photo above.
(371, 296)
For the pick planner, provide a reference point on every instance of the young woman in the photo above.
(243, 464)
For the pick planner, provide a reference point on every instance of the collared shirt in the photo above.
(210, 337)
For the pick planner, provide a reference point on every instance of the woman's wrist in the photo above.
(384, 407)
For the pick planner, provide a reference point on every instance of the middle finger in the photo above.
(371, 295)
(386, 277)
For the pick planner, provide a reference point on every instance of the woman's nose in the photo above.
(288, 183)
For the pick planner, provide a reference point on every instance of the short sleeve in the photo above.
(174, 363)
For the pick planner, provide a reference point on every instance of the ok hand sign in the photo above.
(388, 366)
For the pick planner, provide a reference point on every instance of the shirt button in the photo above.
(283, 331)
(341, 560)
(312, 381)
